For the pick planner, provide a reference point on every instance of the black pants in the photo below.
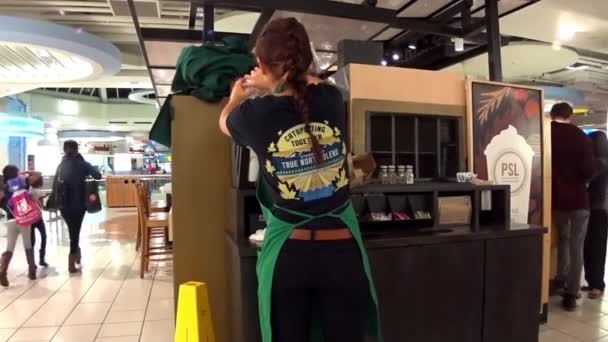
(324, 279)
(73, 218)
(595, 249)
(42, 229)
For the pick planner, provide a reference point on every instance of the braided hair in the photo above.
(284, 46)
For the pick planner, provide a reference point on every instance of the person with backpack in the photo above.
(22, 212)
(38, 195)
(72, 173)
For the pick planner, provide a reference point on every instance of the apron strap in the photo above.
(336, 213)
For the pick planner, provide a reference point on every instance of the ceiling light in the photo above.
(605, 66)
(82, 126)
(75, 57)
(396, 56)
(557, 45)
(412, 46)
(79, 30)
(458, 44)
(384, 62)
(62, 12)
(68, 107)
(566, 31)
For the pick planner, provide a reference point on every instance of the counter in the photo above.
(120, 189)
(434, 285)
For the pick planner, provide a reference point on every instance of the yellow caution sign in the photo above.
(194, 323)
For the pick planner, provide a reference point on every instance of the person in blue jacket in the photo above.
(74, 171)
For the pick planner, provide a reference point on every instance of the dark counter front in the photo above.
(434, 285)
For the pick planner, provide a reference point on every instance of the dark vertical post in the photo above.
(493, 35)
(208, 23)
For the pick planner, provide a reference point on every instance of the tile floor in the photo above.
(588, 323)
(110, 303)
(107, 303)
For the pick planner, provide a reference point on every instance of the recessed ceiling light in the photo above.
(566, 31)
(605, 66)
(384, 62)
(412, 46)
(458, 44)
(82, 126)
(396, 56)
(62, 12)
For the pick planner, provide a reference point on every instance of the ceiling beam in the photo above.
(192, 16)
(172, 35)
(103, 95)
(339, 10)
(142, 44)
(208, 23)
(260, 24)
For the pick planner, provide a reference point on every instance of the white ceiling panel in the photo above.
(163, 90)
(504, 6)
(164, 53)
(163, 76)
(390, 4)
(423, 8)
(388, 34)
(323, 30)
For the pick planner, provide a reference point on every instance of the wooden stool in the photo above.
(153, 226)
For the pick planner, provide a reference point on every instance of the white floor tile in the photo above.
(160, 309)
(120, 329)
(116, 316)
(34, 334)
(5, 334)
(77, 333)
(555, 336)
(119, 339)
(575, 328)
(158, 331)
(107, 302)
(88, 313)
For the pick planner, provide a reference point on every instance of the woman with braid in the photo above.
(312, 269)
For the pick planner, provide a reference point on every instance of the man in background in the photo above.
(572, 168)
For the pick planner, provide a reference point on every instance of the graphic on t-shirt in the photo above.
(292, 162)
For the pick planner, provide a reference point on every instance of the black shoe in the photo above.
(43, 263)
(585, 289)
(569, 303)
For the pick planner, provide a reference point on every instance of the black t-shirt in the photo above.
(273, 128)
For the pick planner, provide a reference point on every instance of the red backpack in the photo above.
(25, 209)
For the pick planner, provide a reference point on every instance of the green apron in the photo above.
(277, 232)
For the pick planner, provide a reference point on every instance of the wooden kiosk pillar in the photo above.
(201, 179)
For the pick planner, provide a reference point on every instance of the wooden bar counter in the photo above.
(477, 282)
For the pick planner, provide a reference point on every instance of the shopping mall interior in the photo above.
(451, 166)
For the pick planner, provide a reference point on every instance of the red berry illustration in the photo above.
(532, 109)
(521, 95)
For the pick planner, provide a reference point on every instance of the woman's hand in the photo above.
(259, 80)
(240, 92)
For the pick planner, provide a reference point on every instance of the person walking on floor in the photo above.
(313, 270)
(37, 194)
(597, 230)
(572, 168)
(14, 230)
(73, 171)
